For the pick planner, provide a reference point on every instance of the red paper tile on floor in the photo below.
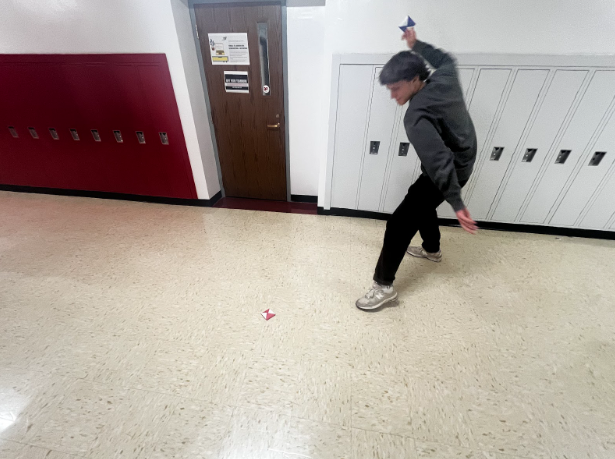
(268, 314)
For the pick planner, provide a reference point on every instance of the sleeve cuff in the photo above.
(457, 204)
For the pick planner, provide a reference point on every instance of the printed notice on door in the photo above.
(229, 48)
(236, 82)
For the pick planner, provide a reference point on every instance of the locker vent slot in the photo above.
(496, 153)
(33, 132)
(403, 148)
(374, 146)
(562, 157)
(529, 155)
(595, 160)
(13, 132)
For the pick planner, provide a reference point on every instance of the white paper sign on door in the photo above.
(235, 81)
(229, 49)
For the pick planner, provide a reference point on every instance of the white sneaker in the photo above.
(419, 252)
(377, 297)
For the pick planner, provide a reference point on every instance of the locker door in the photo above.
(595, 166)
(404, 167)
(465, 78)
(483, 107)
(555, 107)
(352, 104)
(519, 106)
(603, 208)
(588, 115)
(376, 149)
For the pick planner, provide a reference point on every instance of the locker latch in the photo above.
(74, 134)
(164, 138)
(562, 157)
(118, 136)
(54, 134)
(403, 148)
(96, 135)
(140, 137)
(13, 132)
(496, 153)
(595, 160)
(374, 146)
(529, 155)
(33, 132)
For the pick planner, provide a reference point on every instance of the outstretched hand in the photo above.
(410, 37)
(466, 221)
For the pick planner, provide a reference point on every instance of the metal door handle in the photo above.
(273, 126)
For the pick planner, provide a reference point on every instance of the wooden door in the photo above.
(249, 126)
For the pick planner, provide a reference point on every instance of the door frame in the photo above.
(282, 3)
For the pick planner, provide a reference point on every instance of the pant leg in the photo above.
(428, 226)
(418, 206)
(429, 229)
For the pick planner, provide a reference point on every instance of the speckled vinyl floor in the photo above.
(133, 330)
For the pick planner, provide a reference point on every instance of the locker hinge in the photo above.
(197, 32)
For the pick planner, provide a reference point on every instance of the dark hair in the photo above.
(404, 66)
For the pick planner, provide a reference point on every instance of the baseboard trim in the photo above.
(512, 227)
(304, 198)
(116, 196)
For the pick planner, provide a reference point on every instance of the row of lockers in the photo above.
(96, 135)
(546, 145)
(103, 122)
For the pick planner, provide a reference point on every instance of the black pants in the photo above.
(417, 212)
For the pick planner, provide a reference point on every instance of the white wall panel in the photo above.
(553, 111)
(354, 94)
(380, 129)
(515, 117)
(587, 180)
(577, 137)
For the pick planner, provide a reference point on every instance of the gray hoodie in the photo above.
(439, 126)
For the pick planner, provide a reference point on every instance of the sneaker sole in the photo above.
(379, 305)
(436, 260)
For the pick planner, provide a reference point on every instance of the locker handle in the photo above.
(496, 153)
(596, 158)
(403, 148)
(529, 155)
(563, 156)
(374, 146)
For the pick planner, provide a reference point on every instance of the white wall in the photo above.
(119, 26)
(306, 82)
(370, 26)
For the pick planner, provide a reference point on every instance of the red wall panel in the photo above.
(107, 92)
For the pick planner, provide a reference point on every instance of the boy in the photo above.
(439, 127)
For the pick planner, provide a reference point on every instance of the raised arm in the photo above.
(436, 57)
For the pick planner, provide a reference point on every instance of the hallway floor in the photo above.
(132, 330)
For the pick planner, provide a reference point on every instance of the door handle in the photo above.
(273, 126)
